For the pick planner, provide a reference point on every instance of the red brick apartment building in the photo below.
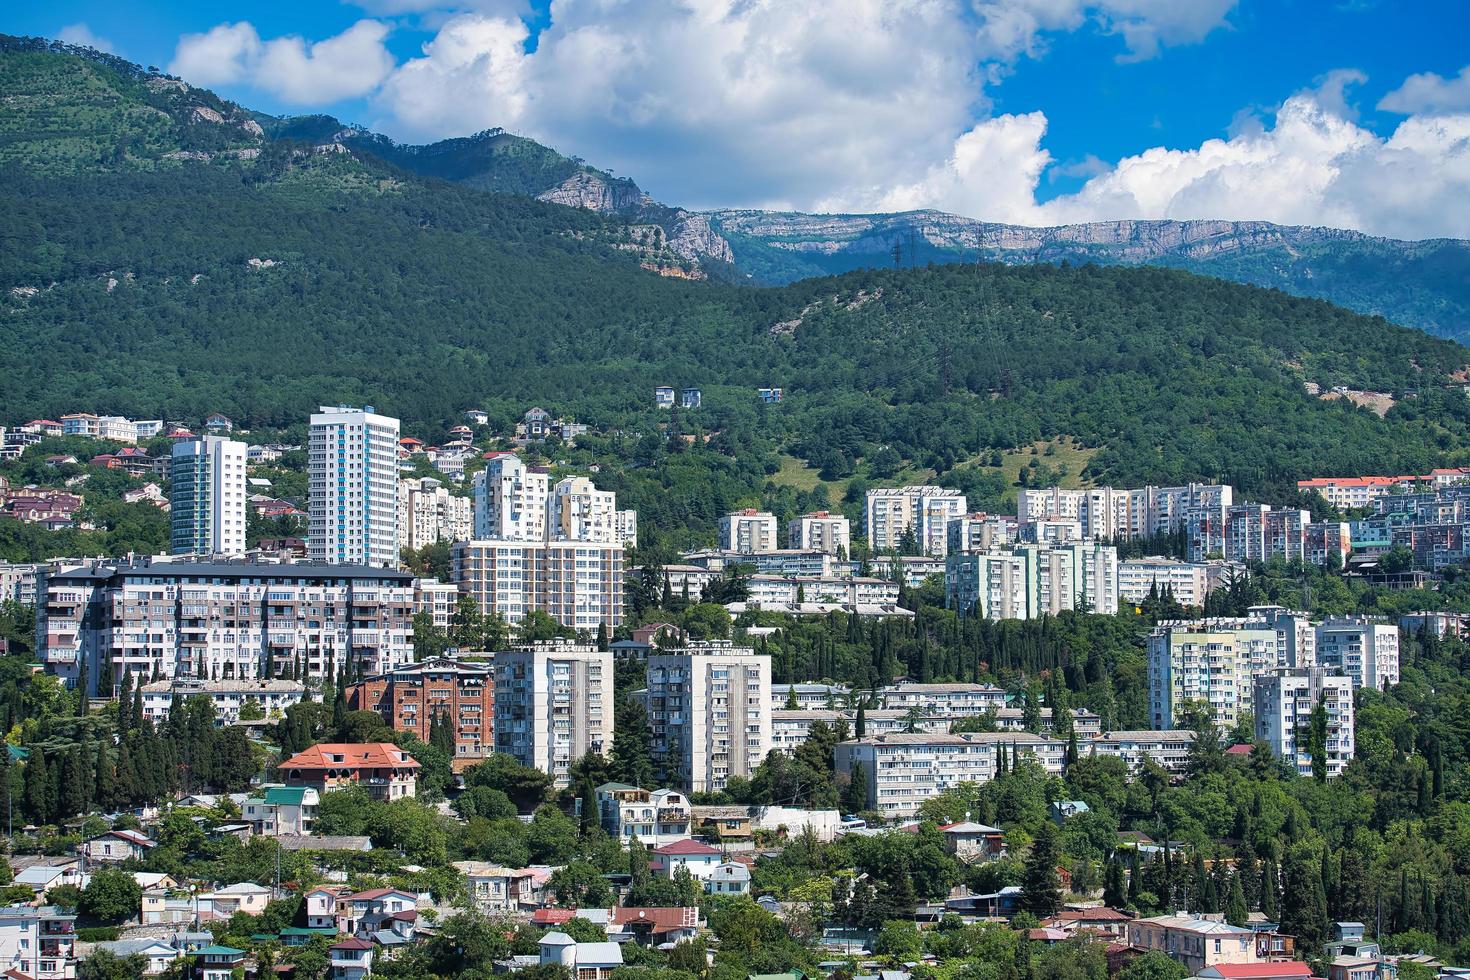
(409, 697)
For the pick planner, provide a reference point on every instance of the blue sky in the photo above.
(1034, 111)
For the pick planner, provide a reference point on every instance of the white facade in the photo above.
(1108, 512)
(748, 532)
(553, 705)
(951, 700)
(709, 706)
(975, 534)
(777, 589)
(1031, 580)
(38, 942)
(924, 510)
(510, 501)
(273, 697)
(1284, 702)
(820, 531)
(1364, 650)
(578, 583)
(207, 497)
(1189, 582)
(578, 511)
(429, 513)
(902, 770)
(221, 620)
(352, 466)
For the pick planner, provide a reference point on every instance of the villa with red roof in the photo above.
(1099, 921)
(382, 768)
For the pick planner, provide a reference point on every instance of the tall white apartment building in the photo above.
(578, 511)
(429, 513)
(207, 497)
(1364, 650)
(748, 532)
(557, 551)
(1284, 701)
(1108, 512)
(221, 620)
(709, 706)
(948, 700)
(924, 510)
(1189, 582)
(578, 583)
(1208, 662)
(1030, 580)
(353, 482)
(820, 531)
(1296, 634)
(553, 705)
(510, 501)
(979, 533)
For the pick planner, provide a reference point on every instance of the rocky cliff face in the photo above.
(1123, 241)
(595, 192)
(692, 237)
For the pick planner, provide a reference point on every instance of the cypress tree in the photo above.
(860, 727)
(72, 798)
(1303, 908)
(1236, 912)
(1269, 905)
(1041, 891)
(37, 787)
(1115, 889)
(103, 786)
(124, 704)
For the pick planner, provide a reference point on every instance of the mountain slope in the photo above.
(1420, 284)
(157, 285)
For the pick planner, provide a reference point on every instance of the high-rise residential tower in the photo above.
(207, 497)
(353, 471)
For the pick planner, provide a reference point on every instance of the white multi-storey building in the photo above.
(820, 531)
(903, 769)
(559, 551)
(207, 497)
(1188, 582)
(212, 620)
(229, 697)
(1108, 512)
(709, 706)
(975, 534)
(781, 589)
(923, 510)
(625, 523)
(1284, 701)
(510, 500)
(748, 532)
(436, 598)
(1364, 650)
(1031, 580)
(352, 466)
(948, 700)
(578, 583)
(429, 513)
(553, 705)
(38, 943)
(578, 511)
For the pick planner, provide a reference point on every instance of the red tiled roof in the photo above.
(663, 920)
(687, 846)
(365, 755)
(553, 917)
(1239, 750)
(352, 944)
(1250, 971)
(1100, 914)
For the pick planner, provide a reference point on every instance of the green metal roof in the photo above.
(285, 795)
(308, 931)
(219, 951)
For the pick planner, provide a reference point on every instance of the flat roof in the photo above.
(230, 570)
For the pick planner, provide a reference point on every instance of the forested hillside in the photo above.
(264, 284)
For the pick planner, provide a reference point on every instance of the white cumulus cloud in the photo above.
(1429, 92)
(81, 34)
(347, 65)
